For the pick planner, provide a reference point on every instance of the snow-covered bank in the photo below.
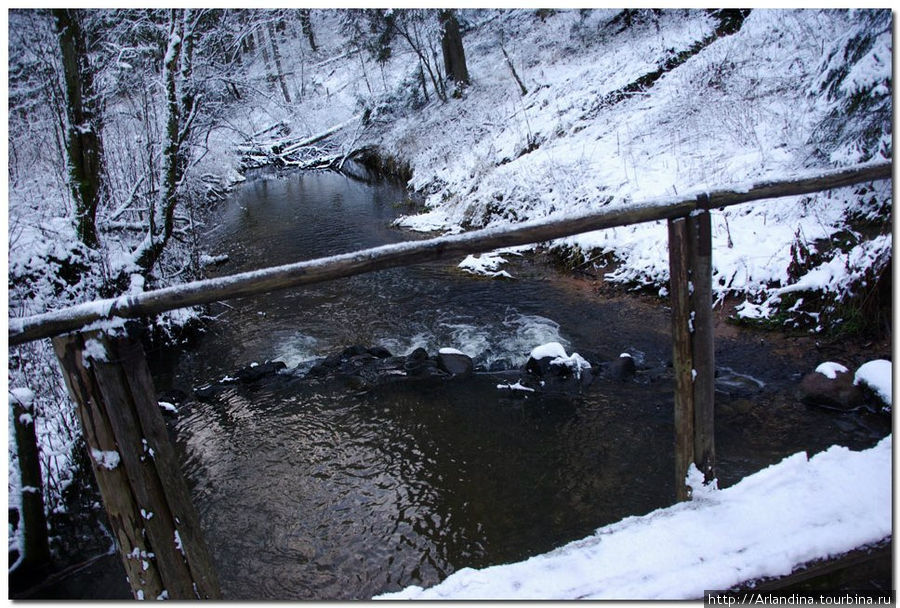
(796, 511)
(767, 101)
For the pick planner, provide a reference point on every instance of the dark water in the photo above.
(314, 491)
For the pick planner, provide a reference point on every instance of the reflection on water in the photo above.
(315, 492)
(311, 491)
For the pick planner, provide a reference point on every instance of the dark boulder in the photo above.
(417, 356)
(838, 392)
(207, 392)
(622, 368)
(251, 374)
(541, 368)
(379, 352)
(353, 351)
(455, 363)
(418, 363)
(550, 370)
(255, 372)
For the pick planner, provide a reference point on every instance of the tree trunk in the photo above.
(162, 215)
(84, 145)
(276, 58)
(261, 43)
(306, 25)
(452, 47)
(512, 69)
(188, 91)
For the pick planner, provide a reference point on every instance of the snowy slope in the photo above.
(796, 511)
(748, 105)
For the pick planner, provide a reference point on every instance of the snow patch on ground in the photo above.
(757, 528)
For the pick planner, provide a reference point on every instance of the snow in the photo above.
(486, 264)
(93, 351)
(24, 395)
(517, 386)
(450, 351)
(169, 407)
(877, 375)
(550, 349)
(108, 459)
(212, 260)
(844, 268)
(799, 510)
(830, 369)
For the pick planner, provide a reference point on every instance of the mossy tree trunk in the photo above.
(181, 110)
(452, 47)
(83, 142)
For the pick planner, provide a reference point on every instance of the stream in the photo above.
(312, 490)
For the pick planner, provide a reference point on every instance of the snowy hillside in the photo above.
(760, 102)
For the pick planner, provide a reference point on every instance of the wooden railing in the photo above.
(143, 489)
(417, 252)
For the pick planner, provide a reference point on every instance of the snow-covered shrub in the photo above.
(855, 87)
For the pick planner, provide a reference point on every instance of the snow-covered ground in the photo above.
(799, 510)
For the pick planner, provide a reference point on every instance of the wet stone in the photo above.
(832, 393)
(455, 364)
(621, 369)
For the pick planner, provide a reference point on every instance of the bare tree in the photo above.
(276, 58)
(306, 23)
(177, 65)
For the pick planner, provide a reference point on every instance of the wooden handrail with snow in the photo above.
(26, 329)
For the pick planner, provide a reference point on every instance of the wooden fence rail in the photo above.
(149, 303)
(144, 492)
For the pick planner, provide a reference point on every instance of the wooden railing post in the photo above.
(690, 287)
(144, 492)
(682, 355)
(703, 343)
(36, 547)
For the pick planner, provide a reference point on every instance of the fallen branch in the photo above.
(323, 135)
